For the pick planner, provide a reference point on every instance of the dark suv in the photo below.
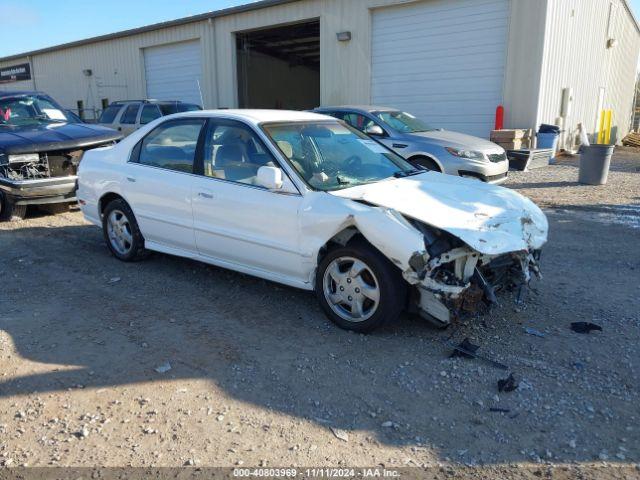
(129, 115)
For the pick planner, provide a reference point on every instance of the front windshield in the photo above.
(30, 110)
(331, 156)
(403, 122)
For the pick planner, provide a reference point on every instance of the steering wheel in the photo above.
(354, 161)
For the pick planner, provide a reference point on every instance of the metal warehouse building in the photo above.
(451, 62)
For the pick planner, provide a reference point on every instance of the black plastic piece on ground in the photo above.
(509, 384)
(585, 327)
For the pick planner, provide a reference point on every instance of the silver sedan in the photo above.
(434, 149)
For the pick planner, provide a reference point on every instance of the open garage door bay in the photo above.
(443, 61)
(174, 71)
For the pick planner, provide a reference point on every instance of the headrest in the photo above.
(227, 154)
(286, 148)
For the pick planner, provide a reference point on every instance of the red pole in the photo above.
(499, 117)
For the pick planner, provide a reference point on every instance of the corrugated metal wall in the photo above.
(576, 56)
(117, 67)
(565, 39)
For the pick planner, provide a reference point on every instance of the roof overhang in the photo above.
(255, 5)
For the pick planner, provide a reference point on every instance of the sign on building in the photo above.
(15, 73)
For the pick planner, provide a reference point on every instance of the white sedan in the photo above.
(305, 200)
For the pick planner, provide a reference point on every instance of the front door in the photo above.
(237, 221)
(158, 183)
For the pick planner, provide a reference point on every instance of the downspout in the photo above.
(33, 71)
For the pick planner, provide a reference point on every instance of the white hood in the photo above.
(490, 219)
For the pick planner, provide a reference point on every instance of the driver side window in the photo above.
(357, 121)
(232, 151)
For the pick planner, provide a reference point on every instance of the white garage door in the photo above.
(442, 60)
(173, 72)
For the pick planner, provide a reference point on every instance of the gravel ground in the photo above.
(256, 376)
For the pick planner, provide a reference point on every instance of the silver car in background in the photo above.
(434, 149)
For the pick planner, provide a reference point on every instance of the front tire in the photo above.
(359, 289)
(9, 211)
(121, 232)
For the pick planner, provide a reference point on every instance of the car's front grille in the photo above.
(497, 157)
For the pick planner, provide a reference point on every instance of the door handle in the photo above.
(400, 145)
(131, 179)
(208, 196)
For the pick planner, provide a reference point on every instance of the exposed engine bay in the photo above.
(42, 165)
(453, 280)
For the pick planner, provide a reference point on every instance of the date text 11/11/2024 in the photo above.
(316, 473)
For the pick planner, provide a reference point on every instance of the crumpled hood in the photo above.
(490, 219)
(54, 136)
(457, 140)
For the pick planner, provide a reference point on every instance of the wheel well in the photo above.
(415, 158)
(340, 239)
(107, 199)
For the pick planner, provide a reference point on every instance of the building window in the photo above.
(105, 103)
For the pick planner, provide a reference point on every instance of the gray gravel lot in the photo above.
(259, 377)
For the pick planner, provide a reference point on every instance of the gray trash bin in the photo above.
(594, 164)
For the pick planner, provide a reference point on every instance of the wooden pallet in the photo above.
(631, 140)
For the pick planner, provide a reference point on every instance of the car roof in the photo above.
(18, 93)
(151, 101)
(355, 108)
(258, 116)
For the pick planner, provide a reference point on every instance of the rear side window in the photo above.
(172, 145)
(109, 114)
(149, 114)
(130, 114)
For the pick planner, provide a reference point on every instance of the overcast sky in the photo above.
(32, 24)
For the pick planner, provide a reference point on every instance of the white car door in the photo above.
(235, 220)
(158, 183)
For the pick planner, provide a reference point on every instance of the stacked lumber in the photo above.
(631, 140)
(517, 139)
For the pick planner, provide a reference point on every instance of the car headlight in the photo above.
(470, 154)
(24, 158)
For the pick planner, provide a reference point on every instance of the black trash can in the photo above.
(594, 164)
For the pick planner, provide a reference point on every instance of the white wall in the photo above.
(544, 36)
(576, 56)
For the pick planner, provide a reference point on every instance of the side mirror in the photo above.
(270, 178)
(374, 130)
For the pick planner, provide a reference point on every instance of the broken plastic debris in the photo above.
(534, 332)
(164, 368)
(499, 410)
(509, 384)
(340, 434)
(465, 350)
(470, 354)
(585, 327)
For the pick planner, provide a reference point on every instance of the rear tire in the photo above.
(359, 289)
(121, 232)
(9, 211)
(425, 162)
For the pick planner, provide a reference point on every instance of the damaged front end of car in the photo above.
(452, 280)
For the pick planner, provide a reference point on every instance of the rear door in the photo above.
(159, 178)
(128, 118)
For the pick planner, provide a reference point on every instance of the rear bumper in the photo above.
(47, 190)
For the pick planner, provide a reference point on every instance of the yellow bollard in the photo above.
(608, 127)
